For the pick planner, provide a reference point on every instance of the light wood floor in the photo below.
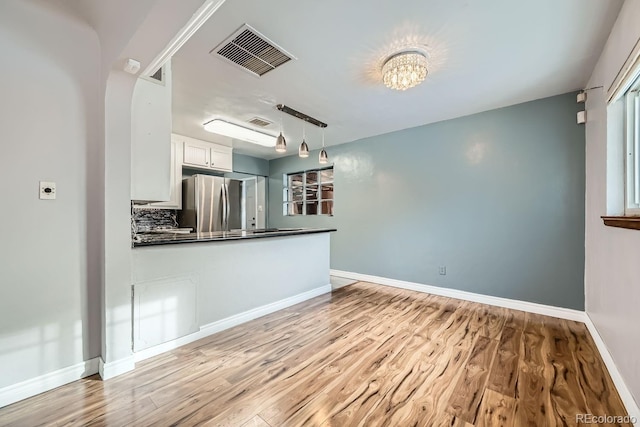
(365, 355)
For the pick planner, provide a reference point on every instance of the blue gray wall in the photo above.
(250, 165)
(496, 197)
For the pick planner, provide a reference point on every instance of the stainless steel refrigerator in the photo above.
(211, 203)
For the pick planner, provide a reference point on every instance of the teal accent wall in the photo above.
(496, 197)
(250, 165)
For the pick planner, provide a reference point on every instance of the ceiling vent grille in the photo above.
(252, 51)
(258, 121)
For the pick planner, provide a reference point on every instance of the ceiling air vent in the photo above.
(252, 51)
(258, 121)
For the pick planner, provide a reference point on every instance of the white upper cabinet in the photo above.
(199, 154)
(196, 154)
(175, 199)
(221, 158)
(151, 138)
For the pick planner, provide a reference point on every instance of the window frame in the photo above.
(287, 201)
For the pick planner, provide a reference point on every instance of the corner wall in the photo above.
(496, 197)
(612, 273)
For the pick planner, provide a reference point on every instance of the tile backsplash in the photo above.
(143, 220)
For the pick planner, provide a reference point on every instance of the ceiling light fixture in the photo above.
(323, 158)
(303, 150)
(404, 70)
(232, 130)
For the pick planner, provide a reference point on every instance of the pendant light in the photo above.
(303, 151)
(323, 158)
(281, 143)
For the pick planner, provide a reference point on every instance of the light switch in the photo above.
(47, 190)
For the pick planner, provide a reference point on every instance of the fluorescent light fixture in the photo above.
(239, 132)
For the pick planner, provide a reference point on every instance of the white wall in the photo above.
(612, 271)
(50, 86)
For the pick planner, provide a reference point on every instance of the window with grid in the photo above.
(308, 193)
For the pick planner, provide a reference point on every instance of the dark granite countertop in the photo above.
(218, 236)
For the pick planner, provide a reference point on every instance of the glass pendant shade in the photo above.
(404, 70)
(323, 158)
(281, 144)
(303, 151)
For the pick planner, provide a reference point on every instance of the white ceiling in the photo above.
(484, 54)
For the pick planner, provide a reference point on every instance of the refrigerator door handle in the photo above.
(223, 219)
(226, 217)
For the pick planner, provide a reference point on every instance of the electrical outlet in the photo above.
(443, 270)
(47, 190)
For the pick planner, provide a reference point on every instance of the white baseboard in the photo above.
(547, 310)
(531, 307)
(625, 394)
(230, 322)
(28, 388)
(113, 369)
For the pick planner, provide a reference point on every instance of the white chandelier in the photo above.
(404, 70)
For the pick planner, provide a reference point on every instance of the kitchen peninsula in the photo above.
(183, 292)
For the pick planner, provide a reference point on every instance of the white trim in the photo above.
(109, 370)
(230, 322)
(197, 20)
(628, 73)
(531, 307)
(46, 382)
(625, 394)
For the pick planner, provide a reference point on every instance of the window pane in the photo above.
(312, 208)
(327, 207)
(295, 180)
(312, 177)
(636, 147)
(295, 208)
(312, 192)
(296, 194)
(327, 191)
(327, 175)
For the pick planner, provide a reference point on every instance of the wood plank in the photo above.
(496, 410)
(533, 399)
(514, 319)
(533, 405)
(504, 374)
(471, 385)
(566, 397)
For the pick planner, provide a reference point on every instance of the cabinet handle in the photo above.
(206, 163)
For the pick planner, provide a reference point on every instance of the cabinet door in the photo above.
(175, 202)
(221, 160)
(196, 154)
